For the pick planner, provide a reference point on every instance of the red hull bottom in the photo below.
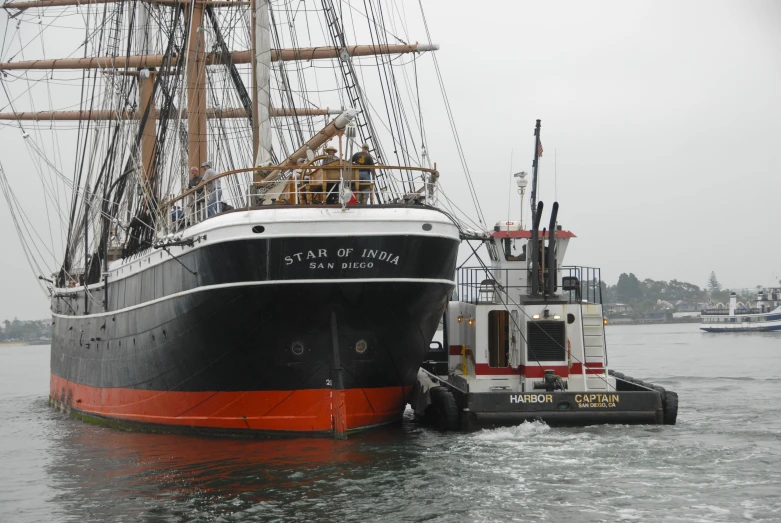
(307, 412)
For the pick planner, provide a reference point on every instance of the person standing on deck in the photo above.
(195, 214)
(213, 190)
(363, 158)
(330, 155)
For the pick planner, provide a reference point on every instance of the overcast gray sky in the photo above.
(664, 118)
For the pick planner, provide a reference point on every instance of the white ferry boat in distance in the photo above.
(764, 316)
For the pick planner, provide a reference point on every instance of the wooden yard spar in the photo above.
(197, 113)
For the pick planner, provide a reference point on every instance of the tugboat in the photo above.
(524, 339)
(764, 316)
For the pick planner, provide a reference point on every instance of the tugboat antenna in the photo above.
(535, 166)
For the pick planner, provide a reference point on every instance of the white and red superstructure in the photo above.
(503, 337)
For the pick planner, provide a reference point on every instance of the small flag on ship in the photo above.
(539, 148)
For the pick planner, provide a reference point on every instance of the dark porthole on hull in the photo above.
(297, 348)
(361, 346)
(258, 229)
(426, 226)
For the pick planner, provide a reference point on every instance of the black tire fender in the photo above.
(662, 392)
(445, 408)
(670, 405)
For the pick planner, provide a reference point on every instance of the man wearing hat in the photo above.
(362, 158)
(213, 190)
(330, 152)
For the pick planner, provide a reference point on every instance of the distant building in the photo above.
(655, 316)
(682, 306)
(617, 308)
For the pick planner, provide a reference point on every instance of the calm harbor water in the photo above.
(722, 462)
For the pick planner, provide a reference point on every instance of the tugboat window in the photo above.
(514, 250)
(498, 338)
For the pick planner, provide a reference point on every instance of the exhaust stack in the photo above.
(551, 258)
(535, 250)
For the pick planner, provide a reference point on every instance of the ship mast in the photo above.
(254, 79)
(152, 67)
(261, 56)
(146, 99)
(262, 79)
(196, 87)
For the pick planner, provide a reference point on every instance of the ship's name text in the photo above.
(321, 259)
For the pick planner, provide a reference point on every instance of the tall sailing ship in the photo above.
(224, 265)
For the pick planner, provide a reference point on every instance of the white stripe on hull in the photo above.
(253, 284)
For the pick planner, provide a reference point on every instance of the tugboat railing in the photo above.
(481, 285)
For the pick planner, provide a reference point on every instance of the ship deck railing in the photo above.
(311, 185)
(480, 285)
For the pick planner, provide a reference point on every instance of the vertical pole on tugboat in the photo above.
(522, 182)
(543, 284)
(535, 249)
(338, 407)
(551, 280)
(535, 166)
(522, 190)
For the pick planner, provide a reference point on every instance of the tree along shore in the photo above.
(648, 300)
(25, 332)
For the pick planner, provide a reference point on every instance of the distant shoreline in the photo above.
(24, 343)
(652, 322)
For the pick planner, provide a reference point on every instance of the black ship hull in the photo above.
(280, 335)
